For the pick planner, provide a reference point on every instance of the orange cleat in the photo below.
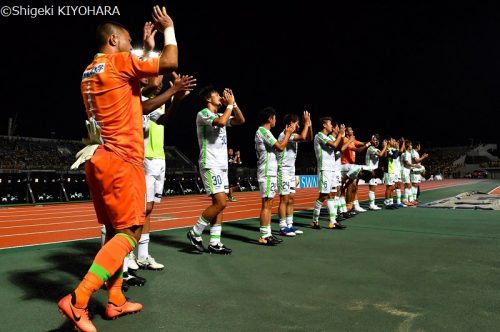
(78, 316)
(114, 311)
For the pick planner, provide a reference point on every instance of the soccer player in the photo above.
(286, 171)
(400, 145)
(390, 172)
(213, 163)
(326, 148)
(350, 170)
(115, 170)
(416, 173)
(373, 155)
(154, 162)
(406, 167)
(266, 147)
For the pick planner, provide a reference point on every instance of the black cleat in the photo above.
(315, 225)
(219, 248)
(196, 241)
(276, 239)
(268, 241)
(336, 225)
(132, 279)
(340, 217)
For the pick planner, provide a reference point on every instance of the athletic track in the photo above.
(42, 224)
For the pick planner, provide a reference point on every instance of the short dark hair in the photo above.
(289, 118)
(206, 92)
(105, 29)
(323, 120)
(265, 114)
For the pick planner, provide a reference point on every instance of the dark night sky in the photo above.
(415, 70)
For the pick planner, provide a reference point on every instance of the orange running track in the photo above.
(43, 224)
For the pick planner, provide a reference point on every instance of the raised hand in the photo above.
(183, 83)
(342, 130)
(228, 97)
(306, 119)
(148, 36)
(161, 19)
(290, 129)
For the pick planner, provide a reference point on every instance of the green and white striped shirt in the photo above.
(212, 140)
(267, 164)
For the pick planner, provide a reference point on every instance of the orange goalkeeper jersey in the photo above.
(111, 94)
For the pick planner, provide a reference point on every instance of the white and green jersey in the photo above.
(372, 158)
(415, 155)
(267, 164)
(153, 134)
(325, 153)
(287, 157)
(212, 140)
(406, 160)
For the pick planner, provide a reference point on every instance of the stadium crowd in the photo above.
(20, 153)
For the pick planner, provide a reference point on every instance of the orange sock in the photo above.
(114, 285)
(107, 261)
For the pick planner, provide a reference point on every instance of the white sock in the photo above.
(283, 223)
(289, 221)
(317, 210)
(406, 196)
(371, 198)
(337, 204)
(332, 211)
(398, 195)
(103, 235)
(199, 227)
(343, 205)
(263, 231)
(268, 230)
(215, 233)
(143, 247)
(125, 264)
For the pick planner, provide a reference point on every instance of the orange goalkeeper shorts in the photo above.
(118, 189)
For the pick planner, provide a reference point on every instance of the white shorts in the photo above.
(416, 174)
(416, 178)
(268, 186)
(154, 169)
(390, 179)
(328, 181)
(286, 183)
(215, 180)
(405, 175)
(398, 175)
(350, 171)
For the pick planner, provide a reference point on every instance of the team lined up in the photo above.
(123, 163)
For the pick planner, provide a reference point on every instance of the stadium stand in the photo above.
(36, 170)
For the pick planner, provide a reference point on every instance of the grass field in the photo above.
(413, 269)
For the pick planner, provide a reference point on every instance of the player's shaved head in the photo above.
(106, 29)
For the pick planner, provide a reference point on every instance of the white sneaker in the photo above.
(132, 264)
(374, 207)
(287, 231)
(149, 263)
(358, 208)
(296, 230)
